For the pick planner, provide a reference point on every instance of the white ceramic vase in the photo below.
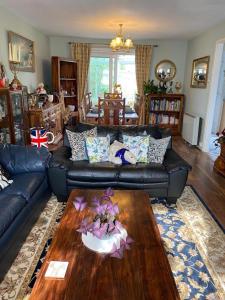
(105, 244)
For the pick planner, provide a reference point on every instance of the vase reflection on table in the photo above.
(103, 233)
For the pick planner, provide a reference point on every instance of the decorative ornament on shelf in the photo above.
(14, 61)
(178, 86)
(103, 233)
(120, 42)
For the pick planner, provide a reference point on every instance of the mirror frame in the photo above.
(195, 83)
(165, 61)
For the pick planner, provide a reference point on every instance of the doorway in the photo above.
(216, 106)
(219, 111)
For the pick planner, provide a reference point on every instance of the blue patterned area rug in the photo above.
(194, 242)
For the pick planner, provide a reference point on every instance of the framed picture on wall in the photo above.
(200, 69)
(21, 51)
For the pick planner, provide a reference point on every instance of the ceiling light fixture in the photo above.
(121, 43)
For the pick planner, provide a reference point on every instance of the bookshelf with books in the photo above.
(165, 110)
(64, 79)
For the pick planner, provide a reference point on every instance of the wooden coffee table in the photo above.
(143, 273)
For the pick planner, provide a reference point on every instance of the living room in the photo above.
(99, 110)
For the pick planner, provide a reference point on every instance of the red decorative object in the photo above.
(2, 82)
(39, 137)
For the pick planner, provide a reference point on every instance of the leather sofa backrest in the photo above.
(20, 159)
(116, 132)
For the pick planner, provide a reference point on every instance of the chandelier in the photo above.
(120, 42)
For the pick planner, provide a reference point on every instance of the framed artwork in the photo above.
(21, 52)
(200, 69)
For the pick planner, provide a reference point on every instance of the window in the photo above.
(107, 68)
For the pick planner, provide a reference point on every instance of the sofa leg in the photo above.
(171, 200)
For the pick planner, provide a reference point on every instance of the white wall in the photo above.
(202, 45)
(174, 50)
(10, 22)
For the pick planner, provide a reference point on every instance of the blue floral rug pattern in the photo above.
(194, 243)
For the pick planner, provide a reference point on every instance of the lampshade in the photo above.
(120, 43)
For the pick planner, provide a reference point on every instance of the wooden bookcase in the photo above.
(165, 110)
(64, 78)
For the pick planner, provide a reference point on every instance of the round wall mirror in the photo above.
(165, 70)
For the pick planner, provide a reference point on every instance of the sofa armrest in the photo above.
(57, 172)
(173, 162)
(61, 158)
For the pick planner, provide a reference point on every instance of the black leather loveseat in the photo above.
(28, 192)
(167, 180)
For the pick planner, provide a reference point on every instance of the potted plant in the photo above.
(219, 163)
(102, 232)
(150, 87)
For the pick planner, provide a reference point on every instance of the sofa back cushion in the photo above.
(117, 132)
(111, 131)
(18, 159)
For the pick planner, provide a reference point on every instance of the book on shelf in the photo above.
(165, 105)
(163, 119)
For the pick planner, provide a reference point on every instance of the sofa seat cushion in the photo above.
(10, 206)
(143, 173)
(25, 185)
(84, 171)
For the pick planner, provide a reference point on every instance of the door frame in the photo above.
(213, 88)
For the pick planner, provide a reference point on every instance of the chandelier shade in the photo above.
(120, 42)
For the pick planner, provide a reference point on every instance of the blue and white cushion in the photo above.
(138, 145)
(98, 148)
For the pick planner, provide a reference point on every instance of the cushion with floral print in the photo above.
(98, 148)
(77, 143)
(138, 145)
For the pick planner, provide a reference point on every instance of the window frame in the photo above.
(104, 51)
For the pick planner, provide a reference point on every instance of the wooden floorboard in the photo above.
(209, 184)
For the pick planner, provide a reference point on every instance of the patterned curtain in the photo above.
(143, 55)
(81, 52)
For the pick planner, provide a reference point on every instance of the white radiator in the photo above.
(190, 129)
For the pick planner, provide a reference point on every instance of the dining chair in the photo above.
(113, 111)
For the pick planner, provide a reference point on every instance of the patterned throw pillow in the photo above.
(4, 172)
(98, 148)
(138, 145)
(77, 143)
(4, 181)
(157, 149)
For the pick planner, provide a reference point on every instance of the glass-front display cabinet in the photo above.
(6, 129)
(14, 122)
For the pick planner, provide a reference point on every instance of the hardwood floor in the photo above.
(208, 184)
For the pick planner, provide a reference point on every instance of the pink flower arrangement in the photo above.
(104, 221)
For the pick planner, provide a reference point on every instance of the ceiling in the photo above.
(142, 19)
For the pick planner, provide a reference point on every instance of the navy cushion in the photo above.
(20, 159)
(25, 185)
(10, 206)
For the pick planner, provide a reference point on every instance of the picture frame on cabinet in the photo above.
(21, 51)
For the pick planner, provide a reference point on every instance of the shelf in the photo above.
(165, 111)
(63, 78)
